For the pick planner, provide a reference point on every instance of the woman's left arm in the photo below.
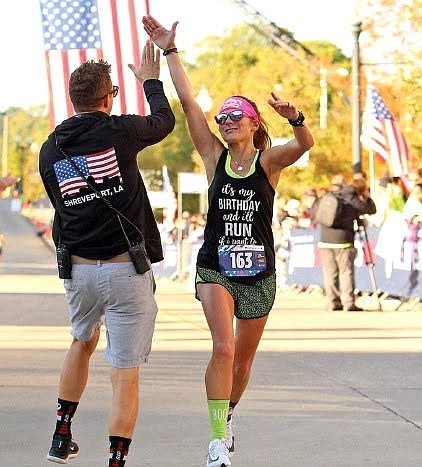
(277, 158)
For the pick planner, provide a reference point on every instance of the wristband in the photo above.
(169, 51)
(299, 121)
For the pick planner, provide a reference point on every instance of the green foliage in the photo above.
(247, 63)
(327, 50)
(394, 65)
(175, 151)
(27, 129)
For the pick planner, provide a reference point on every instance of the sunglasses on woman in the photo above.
(234, 115)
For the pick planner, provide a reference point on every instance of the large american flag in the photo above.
(78, 30)
(97, 165)
(381, 134)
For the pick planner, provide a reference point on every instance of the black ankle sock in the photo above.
(65, 411)
(119, 448)
(232, 405)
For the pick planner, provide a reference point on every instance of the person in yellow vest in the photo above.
(336, 246)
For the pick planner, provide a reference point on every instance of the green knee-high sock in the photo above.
(217, 409)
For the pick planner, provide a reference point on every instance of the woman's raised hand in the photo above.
(284, 108)
(162, 37)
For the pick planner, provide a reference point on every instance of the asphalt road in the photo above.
(327, 389)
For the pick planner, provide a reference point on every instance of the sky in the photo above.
(23, 79)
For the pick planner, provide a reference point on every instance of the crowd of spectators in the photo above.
(391, 195)
(392, 198)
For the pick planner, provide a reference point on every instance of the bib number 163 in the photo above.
(241, 260)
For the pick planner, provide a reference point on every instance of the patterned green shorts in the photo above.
(250, 300)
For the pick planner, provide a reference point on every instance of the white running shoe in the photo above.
(230, 437)
(218, 453)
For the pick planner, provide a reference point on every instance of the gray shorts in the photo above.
(113, 292)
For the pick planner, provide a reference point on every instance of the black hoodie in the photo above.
(105, 148)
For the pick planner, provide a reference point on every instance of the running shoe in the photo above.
(218, 454)
(62, 449)
(230, 437)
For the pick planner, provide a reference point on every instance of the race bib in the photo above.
(241, 260)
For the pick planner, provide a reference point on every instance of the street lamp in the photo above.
(323, 100)
(357, 152)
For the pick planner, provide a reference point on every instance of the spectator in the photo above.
(360, 175)
(321, 191)
(197, 229)
(187, 224)
(412, 179)
(291, 214)
(412, 210)
(2, 243)
(381, 198)
(397, 194)
(419, 175)
(337, 249)
(16, 202)
(308, 200)
(362, 190)
(7, 181)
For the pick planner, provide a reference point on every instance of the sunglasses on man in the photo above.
(114, 91)
(234, 115)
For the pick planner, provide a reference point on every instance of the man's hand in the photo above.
(150, 63)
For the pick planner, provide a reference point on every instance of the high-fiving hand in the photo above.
(150, 63)
(162, 37)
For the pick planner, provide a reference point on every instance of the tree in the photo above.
(392, 56)
(175, 151)
(27, 129)
(248, 63)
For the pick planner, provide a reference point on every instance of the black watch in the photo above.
(299, 121)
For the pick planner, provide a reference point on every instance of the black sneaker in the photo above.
(62, 449)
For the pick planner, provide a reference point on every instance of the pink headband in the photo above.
(238, 103)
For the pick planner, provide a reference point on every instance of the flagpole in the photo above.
(51, 113)
(371, 172)
(357, 154)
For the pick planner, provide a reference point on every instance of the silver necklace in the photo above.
(239, 164)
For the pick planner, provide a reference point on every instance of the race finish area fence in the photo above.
(396, 250)
(395, 262)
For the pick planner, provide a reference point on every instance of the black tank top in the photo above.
(239, 215)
